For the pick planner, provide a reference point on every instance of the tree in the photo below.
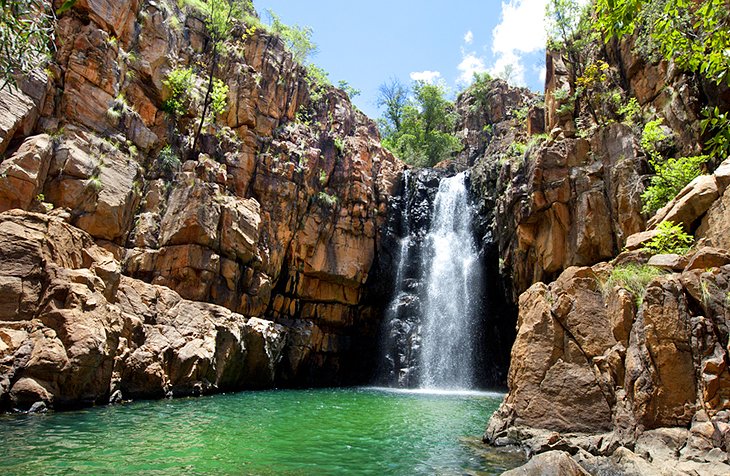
(220, 17)
(420, 127)
(297, 38)
(26, 37)
(393, 96)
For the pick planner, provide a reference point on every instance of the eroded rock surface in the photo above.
(74, 331)
(263, 235)
(590, 358)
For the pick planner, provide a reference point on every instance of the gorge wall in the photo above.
(604, 380)
(127, 272)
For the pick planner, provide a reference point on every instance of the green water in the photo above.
(309, 432)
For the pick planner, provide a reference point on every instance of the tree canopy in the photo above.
(418, 127)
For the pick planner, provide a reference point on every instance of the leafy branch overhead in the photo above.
(26, 37)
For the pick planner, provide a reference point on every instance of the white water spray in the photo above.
(452, 280)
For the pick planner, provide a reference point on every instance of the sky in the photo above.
(366, 43)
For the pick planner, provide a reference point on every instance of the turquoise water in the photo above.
(308, 432)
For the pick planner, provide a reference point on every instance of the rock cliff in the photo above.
(627, 382)
(144, 268)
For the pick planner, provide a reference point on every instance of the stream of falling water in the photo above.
(451, 278)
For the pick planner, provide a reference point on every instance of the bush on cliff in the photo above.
(672, 239)
(672, 175)
(633, 278)
(26, 33)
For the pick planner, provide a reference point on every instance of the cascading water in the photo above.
(452, 281)
(432, 321)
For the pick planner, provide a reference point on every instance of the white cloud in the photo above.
(469, 38)
(470, 64)
(426, 76)
(521, 31)
(542, 73)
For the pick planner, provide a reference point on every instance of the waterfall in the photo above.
(432, 322)
(452, 281)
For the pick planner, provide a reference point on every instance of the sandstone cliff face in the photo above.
(76, 331)
(574, 197)
(588, 359)
(276, 218)
(626, 383)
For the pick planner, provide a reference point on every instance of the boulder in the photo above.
(669, 262)
(690, 204)
(552, 463)
(23, 174)
(707, 257)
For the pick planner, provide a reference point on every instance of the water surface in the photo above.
(308, 432)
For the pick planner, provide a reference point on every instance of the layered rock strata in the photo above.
(269, 227)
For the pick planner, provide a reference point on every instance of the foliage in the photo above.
(594, 74)
(298, 39)
(26, 37)
(517, 148)
(567, 23)
(536, 140)
(317, 79)
(630, 111)
(339, 145)
(219, 97)
(651, 137)
(422, 136)
(327, 199)
(94, 183)
(393, 96)
(717, 126)
(695, 34)
(168, 161)
(480, 89)
(672, 175)
(349, 90)
(633, 278)
(672, 239)
(179, 82)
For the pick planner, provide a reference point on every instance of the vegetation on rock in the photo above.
(672, 239)
(632, 277)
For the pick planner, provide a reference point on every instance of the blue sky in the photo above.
(366, 43)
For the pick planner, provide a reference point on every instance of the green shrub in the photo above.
(633, 278)
(327, 199)
(339, 145)
(168, 161)
(672, 175)
(517, 148)
(651, 137)
(717, 126)
(219, 97)
(298, 39)
(180, 82)
(349, 90)
(672, 239)
(630, 111)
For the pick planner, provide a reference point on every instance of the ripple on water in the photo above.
(353, 431)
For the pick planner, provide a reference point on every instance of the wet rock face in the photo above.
(397, 279)
(272, 218)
